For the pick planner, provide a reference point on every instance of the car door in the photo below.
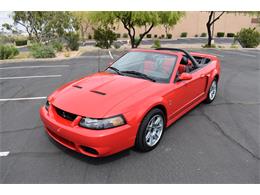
(196, 87)
(186, 92)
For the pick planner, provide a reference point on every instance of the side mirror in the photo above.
(185, 76)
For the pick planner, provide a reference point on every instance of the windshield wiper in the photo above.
(115, 69)
(142, 75)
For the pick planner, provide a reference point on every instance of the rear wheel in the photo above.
(212, 92)
(150, 131)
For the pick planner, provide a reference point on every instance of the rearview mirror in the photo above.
(185, 76)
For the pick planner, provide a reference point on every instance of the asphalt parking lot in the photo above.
(216, 143)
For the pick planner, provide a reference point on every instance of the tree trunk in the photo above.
(166, 30)
(209, 34)
(143, 35)
(209, 28)
(210, 23)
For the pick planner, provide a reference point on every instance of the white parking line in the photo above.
(30, 77)
(110, 54)
(17, 99)
(6, 153)
(21, 67)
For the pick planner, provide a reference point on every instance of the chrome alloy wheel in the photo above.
(154, 130)
(213, 90)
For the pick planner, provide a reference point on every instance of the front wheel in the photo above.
(150, 131)
(212, 92)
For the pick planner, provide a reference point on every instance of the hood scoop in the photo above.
(98, 92)
(77, 86)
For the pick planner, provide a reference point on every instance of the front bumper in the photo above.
(94, 143)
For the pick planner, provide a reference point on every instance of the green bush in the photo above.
(125, 35)
(42, 51)
(118, 35)
(169, 36)
(20, 42)
(156, 43)
(184, 34)
(72, 39)
(104, 37)
(248, 37)
(230, 34)
(148, 36)
(203, 34)
(220, 34)
(57, 45)
(8, 52)
(136, 41)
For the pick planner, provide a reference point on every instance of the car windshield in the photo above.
(147, 65)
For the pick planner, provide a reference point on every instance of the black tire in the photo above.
(208, 100)
(140, 142)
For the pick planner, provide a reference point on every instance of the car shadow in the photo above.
(88, 159)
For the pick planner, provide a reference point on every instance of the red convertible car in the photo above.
(131, 102)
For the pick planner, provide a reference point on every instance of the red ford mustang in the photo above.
(131, 102)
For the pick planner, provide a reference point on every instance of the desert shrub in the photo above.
(203, 34)
(42, 51)
(162, 36)
(155, 36)
(72, 39)
(230, 34)
(57, 45)
(116, 45)
(5, 39)
(89, 36)
(196, 35)
(125, 35)
(184, 34)
(248, 37)
(169, 36)
(20, 42)
(118, 35)
(8, 52)
(220, 34)
(104, 37)
(207, 46)
(156, 43)
(148, 36)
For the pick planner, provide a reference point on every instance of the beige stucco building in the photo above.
(194, 23)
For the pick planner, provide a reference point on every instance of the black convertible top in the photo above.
(187, 54)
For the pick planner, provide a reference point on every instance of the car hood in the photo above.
(95, 95)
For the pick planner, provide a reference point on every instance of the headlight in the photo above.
(105, 123)
(47, 105)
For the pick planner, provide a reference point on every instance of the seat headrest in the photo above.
(184, 60)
